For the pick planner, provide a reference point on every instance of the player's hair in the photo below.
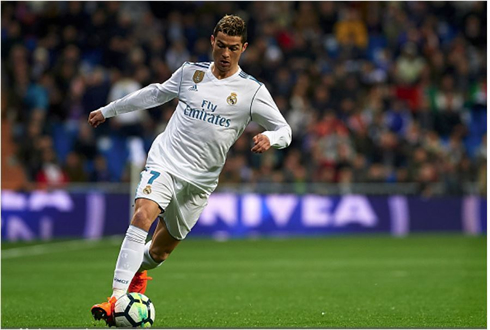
(233, 26)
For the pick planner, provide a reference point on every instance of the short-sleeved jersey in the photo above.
(211, 114)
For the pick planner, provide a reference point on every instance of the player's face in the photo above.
(226, 53)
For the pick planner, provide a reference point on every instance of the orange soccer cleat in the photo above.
(139, 282)
(105, 311)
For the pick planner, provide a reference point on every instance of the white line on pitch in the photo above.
(46, 248)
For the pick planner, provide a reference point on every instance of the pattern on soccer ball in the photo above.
(134, 310)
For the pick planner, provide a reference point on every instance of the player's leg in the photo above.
(181, 215)
(132, 249)
(156, 251)
(130, 256)
(159, 248)
(153, 195)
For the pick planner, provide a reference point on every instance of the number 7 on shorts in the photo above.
(154, 175)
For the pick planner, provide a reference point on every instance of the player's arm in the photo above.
(148, 97)
(265, 113)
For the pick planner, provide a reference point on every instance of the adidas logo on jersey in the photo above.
(193, 88)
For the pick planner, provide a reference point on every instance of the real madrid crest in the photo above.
(147, 190)
(232, 99)
(198, 76)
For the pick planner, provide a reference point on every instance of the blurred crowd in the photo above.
(390, 92)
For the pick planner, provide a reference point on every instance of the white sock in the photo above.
(129, 260)
(148, 261)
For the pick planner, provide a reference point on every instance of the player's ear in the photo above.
(212, 40)
(245, 45)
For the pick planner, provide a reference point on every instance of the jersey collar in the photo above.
(224, 80)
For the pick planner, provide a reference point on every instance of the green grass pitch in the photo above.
(421, 281)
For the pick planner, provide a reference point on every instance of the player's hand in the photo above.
(95, 118)
(262, 143)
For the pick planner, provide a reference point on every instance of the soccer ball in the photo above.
(134, 310)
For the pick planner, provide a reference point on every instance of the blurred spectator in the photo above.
(176, 55)
(30, 149)
(455, 149)
(433, 145)
(425, 117)
(377, 173)
(427, 174)
(350, 29)
(128, 124)
(73, 105)
(331, 135)
(409, 65)
(447, 97)
(359, 169)
(97, 89)
(418, 159)
(40, 62)
(100, 172)
(85, 144)
(51, 175)
(389, 151)
(328, 16)
(474, 32)
(398, 118)
(74, 168)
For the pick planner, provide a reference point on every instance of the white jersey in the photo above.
(210, 116)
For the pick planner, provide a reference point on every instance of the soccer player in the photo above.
(217, 100)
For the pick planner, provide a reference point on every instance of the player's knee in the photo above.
(160, 254)
(142, 219)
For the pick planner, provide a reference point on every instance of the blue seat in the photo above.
(116, 156)
(375, 43)
(63, 140)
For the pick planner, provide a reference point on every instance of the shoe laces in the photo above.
(112, 301)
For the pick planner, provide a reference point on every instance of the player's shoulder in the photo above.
(250, 78)
(202, 65)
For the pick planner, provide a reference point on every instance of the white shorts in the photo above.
(181, 202)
